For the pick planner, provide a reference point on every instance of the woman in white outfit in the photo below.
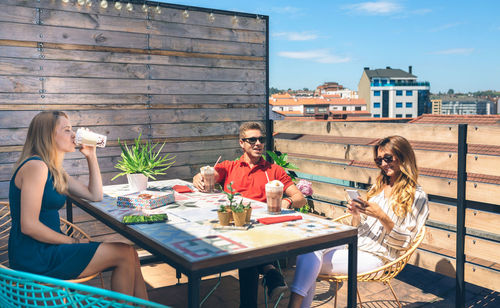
(395, 212)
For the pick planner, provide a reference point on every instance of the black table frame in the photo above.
(195, 271)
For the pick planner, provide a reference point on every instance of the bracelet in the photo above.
(290, 201)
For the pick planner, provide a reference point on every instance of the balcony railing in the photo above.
(459, 168)
(402, 84)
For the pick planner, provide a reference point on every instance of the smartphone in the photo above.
(354, 196)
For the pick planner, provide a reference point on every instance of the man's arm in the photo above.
(294, 194)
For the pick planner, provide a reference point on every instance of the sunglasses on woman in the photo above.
(388, 158)
(253, 140)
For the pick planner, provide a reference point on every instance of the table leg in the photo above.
(194, 291)
(352, 273)
(69, 210)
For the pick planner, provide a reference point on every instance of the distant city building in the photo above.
(394, 93)
(333, 88)
(320, 107)
(436, 106)
(468, 106)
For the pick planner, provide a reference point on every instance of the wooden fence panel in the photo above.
(188, 81)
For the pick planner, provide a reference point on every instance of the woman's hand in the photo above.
(88, 150)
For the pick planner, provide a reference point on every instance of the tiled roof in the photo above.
(389, 73)
(315, 101)
(457, 119)
(331, 96)
(281, 95)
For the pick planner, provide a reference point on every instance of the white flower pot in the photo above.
(137, 182)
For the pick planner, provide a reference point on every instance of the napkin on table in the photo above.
(278, 219)
(182, 189)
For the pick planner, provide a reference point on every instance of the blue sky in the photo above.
(453, 44)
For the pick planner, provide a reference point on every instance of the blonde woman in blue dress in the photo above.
(396, 210)
(38, 189)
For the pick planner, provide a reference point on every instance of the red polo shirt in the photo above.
(250, 182)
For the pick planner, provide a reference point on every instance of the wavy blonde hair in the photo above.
(40, 142)
(405, 185)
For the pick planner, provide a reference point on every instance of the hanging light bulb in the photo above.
(234, 19)
(258, 19)
(65, 1)
(211, 17)
(129, 7)
(118, 5)
(144, 8)
(89, 3)
(158, 9)
(104, 4)
(185, 14)
(80, 2)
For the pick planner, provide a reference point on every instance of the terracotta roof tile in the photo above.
(457, 119)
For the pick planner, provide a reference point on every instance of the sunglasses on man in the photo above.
(387, 158)
(253, 140)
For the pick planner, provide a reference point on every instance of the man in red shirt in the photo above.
(249, 178)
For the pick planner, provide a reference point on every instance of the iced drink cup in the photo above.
(208, 175)
(86, 137)
(274, 193)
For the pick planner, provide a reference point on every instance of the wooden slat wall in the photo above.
(309, 147)
(187, 81)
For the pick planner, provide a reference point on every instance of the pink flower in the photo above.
(305, 187)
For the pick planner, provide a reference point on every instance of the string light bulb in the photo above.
(89, 3)
(104, 4)
(211, 17)
(234, 19)
(185, 14)
(158, 9)
(144, 7)
(129, 7)
(258, 19)
(118, 5)
(65, 1)
(80, 2)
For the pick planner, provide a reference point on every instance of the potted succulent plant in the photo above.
(142, 161)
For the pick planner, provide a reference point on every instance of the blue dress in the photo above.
(63, 261)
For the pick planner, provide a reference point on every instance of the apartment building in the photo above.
(394, 93)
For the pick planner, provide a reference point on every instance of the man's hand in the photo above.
(198, 182)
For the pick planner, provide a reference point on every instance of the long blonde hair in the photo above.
(40, 142)
(405, 185)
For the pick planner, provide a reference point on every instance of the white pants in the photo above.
(326, 261)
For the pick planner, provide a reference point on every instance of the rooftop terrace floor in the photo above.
(414, 286)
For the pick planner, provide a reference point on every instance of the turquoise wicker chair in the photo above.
(21, 289)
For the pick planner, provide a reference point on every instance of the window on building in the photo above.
(399, 92)
(409, 115)
(322, 109)
(376, 82)
(409, 105)
(357, 108)
(376, 105)
(399, 105)
(384, 81)
(399, 115)
(376, 93)
(409, 93)
(344, 108)
(309, 110)
(376, 115)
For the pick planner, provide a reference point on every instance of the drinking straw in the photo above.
(267, 176)
(217, 161)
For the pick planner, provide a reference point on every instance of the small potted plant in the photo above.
(142, 161)
(224, 215)
(239, 214)
(248, 211)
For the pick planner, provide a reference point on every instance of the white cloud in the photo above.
(445, 27)
(454, 51)
(286, 10)
(317, 55)
(297, 36)
(422, 11)
(375, 8)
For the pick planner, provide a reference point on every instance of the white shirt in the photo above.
(373, 238)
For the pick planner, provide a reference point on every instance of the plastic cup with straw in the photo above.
(208, 174)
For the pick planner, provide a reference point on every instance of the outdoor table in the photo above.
(192, 241)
